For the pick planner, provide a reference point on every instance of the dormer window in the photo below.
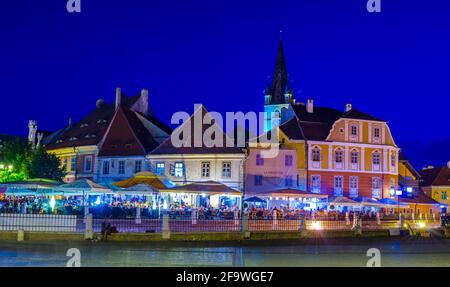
(376, 135)
(101, 121)
(353, 133)
(83, 125)
(73, 139)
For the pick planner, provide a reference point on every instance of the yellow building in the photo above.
(436, 183)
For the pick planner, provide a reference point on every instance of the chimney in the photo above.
(310, 106)
(144, 102)
(348, 107)
(118, 97)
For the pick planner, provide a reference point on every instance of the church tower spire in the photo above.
(280, 77)
(278, 95)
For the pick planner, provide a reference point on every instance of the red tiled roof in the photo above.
(439, 176)
(126, 136)
(91, 129)
(419, 198)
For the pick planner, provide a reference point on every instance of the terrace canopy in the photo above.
(369, 202)
(30, 187)
(292, 193)
(145, 177)
(139, 189)
(342, 201)
(255, 199)
(207, 188)
(83, 187)
(391, 202)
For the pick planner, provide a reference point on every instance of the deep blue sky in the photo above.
(394, 65)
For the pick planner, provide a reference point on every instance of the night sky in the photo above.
(394, 65)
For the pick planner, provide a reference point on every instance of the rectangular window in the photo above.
(137, 166)
(338, 186)
(288, 160)
(315, 184)
(288, 181)
(121, 167)
(259, 160)
(392, 181)
(226, 169)
(376, 133)
(353, 185)
(65, 164)
(73, 163)
(88, 164)
(376, 187)
(444, 195)
(205, 169)
(179, 169)
(106, 167)
(160, 168)
(258, 180)
(354, 130)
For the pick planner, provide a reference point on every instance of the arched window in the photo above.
(338, 156)
(354, 157)
(316, 154)
(376, 158)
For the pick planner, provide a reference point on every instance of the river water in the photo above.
(318, 252)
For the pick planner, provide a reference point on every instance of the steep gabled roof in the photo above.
(358, 115)
(320, 114)
(91, 129)
(439, 176)
(167, 147)
(127, 136)
(292, 129)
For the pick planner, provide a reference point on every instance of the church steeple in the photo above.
(278, 95)
(280, 82)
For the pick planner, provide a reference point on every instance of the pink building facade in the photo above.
(264, 175)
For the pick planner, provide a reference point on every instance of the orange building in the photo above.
(347, 153)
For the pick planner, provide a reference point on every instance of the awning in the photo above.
(255, 199)
(83, 186)
(367, 201)
(291, 193)
(207, 187)
(138, 189)
(148, 178)
(342, 201)
(391, 202)
(37, 183)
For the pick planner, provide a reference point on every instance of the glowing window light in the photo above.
(2, 166)
(97, 202)
(421, 225)
(52, 202)
(409, 189)
(316, 225)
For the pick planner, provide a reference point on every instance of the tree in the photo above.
(15, 155)
(45, 165)
(21, 162)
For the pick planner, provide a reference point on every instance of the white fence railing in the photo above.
(38, 222)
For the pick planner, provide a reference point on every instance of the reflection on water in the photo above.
(339, 252)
